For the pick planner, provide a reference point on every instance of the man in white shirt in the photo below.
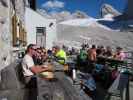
(29, 68)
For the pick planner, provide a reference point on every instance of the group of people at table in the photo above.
(34, 59)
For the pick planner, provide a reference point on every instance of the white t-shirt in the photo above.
(27, 63)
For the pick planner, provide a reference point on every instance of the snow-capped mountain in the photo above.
(44, 13)
(63, 15)
(86, 22)
(80, 14)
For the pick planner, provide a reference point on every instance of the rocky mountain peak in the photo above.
(80, 14)
(108, 9)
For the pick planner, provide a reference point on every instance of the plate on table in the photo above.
(47, 75)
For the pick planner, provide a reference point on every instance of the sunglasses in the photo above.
(33, 49)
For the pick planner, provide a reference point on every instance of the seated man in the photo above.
(83, 57)
(92, 57)
(29, 68)
(60, 55)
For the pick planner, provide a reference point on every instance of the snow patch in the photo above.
(84, 23)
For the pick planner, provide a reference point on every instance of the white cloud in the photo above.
(53, 4)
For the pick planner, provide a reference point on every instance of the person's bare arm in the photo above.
(94, 55)
(39, 69)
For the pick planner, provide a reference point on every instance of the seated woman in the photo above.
(119, 55)
(108, 52)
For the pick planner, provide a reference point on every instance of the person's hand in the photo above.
(66, 67)
(48, 67)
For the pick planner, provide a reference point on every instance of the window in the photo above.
(18, 32)
(41, 36)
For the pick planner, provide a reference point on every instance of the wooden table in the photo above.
(104, 60)
(59, 88)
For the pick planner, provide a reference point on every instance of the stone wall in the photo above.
(20, 9)
(5, 36)
(7, 9)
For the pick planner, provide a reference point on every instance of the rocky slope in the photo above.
(93, 33)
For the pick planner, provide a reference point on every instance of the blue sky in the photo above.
(91, 7)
